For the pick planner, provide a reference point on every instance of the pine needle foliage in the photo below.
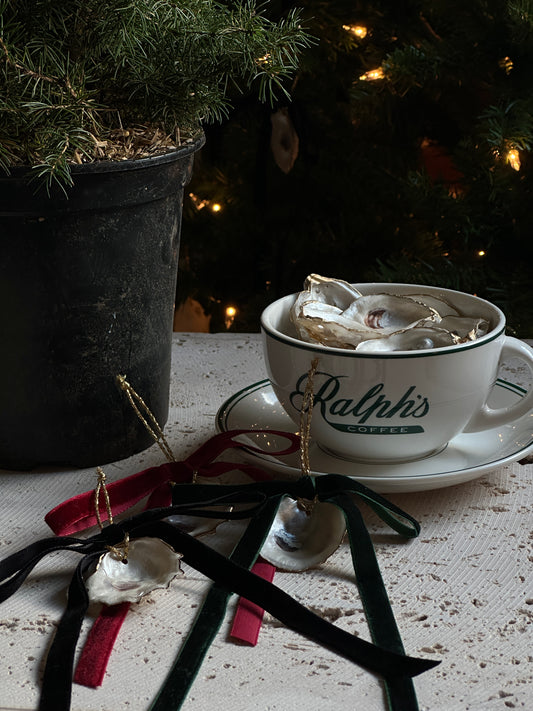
(73, 73)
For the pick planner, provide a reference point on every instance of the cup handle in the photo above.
(489, 417)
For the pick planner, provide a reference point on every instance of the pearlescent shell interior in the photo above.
(331, 312)
(194, 525)
(299, 540)
(152, 564)
(408, 340)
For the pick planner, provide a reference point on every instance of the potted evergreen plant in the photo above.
(101, 107)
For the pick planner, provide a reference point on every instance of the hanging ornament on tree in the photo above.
(439, 165)
(284, 140)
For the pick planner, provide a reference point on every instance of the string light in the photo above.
(230, 314)
(513, 158)
(506, 63)
(481, 253)
(199, 204)
(373, 74)
(357, 30)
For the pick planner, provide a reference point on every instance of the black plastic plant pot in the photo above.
(87, 289)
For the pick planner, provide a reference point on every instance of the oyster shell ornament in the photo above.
(128, 574)
(331, 312)
(305, 531)
(195, 525)
(303, 534)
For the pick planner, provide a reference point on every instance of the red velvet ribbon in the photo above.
(249, 616)
(79, 513)
(92, 664)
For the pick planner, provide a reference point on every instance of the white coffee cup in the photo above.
(394, 406)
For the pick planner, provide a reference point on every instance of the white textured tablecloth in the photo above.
(462, 592)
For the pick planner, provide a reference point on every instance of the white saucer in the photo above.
(466, 457)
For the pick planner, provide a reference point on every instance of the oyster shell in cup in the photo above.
(382, 314)
(333, 313)
(412, 339)
(149, 564)
(443, 308)
(465, 328)
(333, 292)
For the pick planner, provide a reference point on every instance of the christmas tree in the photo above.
(403, 156)
(88, 80)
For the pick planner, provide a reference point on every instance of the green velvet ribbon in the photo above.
(339, 491)
(400, 691)
(210, 617)
(259, 503)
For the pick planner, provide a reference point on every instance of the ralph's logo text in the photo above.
(353, 414)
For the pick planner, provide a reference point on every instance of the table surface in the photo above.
(462, 592)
